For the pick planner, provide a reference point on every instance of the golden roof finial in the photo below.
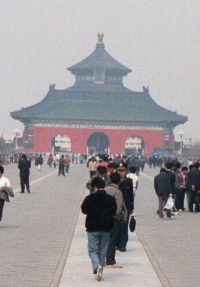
(100, 36)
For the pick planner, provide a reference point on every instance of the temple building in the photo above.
(98, 113)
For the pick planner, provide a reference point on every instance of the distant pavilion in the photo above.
(98, 114)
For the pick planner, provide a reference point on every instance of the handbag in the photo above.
(132, 224)
(4, 196)
(170, 203)
(7, 191)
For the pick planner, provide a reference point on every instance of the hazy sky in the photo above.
(158, 39)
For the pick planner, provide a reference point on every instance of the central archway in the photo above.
(98, 143)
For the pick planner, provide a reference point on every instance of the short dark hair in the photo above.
(163, 170)
(191, 167)
(98, 182)
(1, 169)
(132, 169)
(196, 164)
(178, 164)
(115, 177)
(111, 165)
(102, 169)
(24, 156)
(169, 165)
(184, 168)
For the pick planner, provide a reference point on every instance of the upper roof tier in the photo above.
(99, 60)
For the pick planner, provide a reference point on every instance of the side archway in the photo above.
(61, 143)
(134, 145)
(98, 143)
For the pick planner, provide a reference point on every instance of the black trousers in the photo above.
(179, 198)
(92, 173)
(24, 182)
(194, 198)
(114, 237)
(1, 208)
(123, 235)
(61, 170)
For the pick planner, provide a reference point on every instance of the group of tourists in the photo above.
(110, 204)
(174, 183)
(112, 185)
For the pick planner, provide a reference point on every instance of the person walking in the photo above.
(61, 166)
(67, 163)
(135, 180)
(162, 189)
(100, 209)
(24, 166)
(170, 168)
(39, 162)
(181, 188)
(102, 172)
(4, 182)
(126, 187)
(120, 217)
(193, 182)
(50, 160)
(92, 166)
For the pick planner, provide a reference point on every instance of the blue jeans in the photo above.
(97, 247)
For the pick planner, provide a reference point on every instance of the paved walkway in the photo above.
(137, 270)
(37, 230)
(167, 256)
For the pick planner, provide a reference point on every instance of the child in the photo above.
(169, 206)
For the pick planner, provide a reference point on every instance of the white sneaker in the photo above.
(99, 273)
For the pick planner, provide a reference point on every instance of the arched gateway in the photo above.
(134, 145)
(98, 143)
(61, 143)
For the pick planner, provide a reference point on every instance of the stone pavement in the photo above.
(172, 245)
(161, 253)
(37, 231)
(137, 270)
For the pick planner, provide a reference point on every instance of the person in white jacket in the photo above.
(132, 175)
(3, 182)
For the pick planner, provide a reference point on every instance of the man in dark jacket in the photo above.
(194, 187)
(162, 189)
(171, 175)
(24, 167)
(126, 187)
(61, 167)
(100, 209)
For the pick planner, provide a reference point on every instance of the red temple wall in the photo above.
(42, 137)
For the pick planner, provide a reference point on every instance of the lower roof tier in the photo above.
(98, 103)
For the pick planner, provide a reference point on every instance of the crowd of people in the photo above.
(175, 182)
(112, 185)
(108, 207)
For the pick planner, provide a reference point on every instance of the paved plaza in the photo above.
(42, 235)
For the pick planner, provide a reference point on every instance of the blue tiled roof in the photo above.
(105, 103)
(97, 104)
(100, 59)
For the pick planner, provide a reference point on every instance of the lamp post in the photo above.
(181, 133)
(17, 133)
